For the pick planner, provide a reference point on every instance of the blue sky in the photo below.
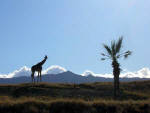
(71, 33)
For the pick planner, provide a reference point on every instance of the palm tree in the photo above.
(114, 53)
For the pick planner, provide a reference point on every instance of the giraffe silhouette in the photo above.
(38, 68)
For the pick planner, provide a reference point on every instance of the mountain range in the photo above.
(65, 77)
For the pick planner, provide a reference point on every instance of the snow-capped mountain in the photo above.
(58, 74)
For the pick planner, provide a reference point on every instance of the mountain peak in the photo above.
(88, 73)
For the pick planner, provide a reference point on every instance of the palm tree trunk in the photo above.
(116, 73)
(115, 87)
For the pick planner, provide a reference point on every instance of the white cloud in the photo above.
(87, 73)
(25, 71)
(55, 69)
(142, 73)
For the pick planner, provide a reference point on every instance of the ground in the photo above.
(84, 98)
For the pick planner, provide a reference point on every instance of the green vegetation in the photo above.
(75, 98)
(114, 53)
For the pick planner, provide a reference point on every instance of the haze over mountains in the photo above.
(59, 74)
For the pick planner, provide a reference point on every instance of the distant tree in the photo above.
(114, 53)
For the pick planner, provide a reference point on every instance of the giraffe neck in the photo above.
(42, 62)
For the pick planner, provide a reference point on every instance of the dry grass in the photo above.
(74, 98)
(34, 105)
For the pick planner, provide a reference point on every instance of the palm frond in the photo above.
(118, 56)
(128, 53)
(103, 59)
(113, 49)
(103, 54)
(108, 49)
(119, 45)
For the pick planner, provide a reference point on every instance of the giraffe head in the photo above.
(45, 57)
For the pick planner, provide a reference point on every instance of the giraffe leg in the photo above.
(33, 79)
(40, 77)
(32, 76)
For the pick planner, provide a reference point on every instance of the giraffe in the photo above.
(38, 68)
